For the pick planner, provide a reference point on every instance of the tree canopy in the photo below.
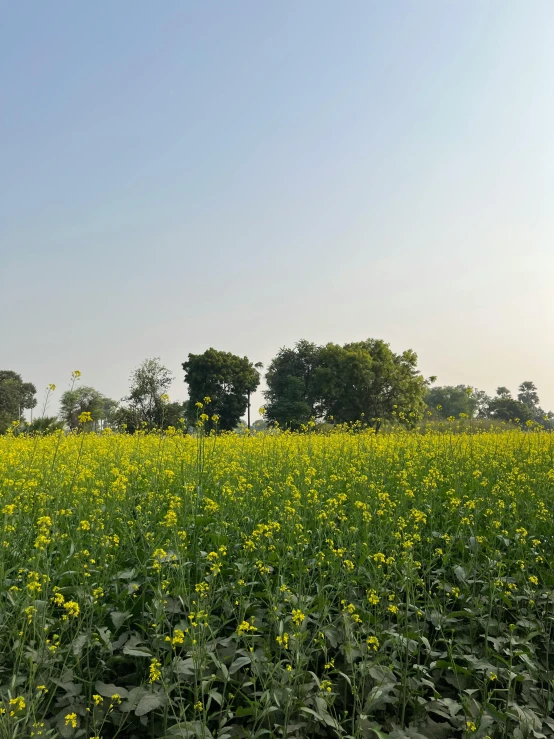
(361, 381)
(505, 408)
(78, 400)
(225, 378)
(148, 399)
(528, 394)
(526, 408)
(449, 401)
(16, 397)
(358, 382)
(291, 395)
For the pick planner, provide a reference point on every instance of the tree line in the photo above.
(362, 383)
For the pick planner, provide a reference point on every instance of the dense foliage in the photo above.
(16, 396)
(84, 399)
(148, 404)
(227, 379)
(361, 381)
(461, 401)
(447, 401)
(349, 585)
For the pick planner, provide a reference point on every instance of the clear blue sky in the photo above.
(180, 175)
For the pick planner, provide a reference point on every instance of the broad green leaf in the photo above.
(109, 689)
(149, 702)
(79, 644)
(189, 730)
(118, 618)
(238, 663)
(126, 574)
(133, 648)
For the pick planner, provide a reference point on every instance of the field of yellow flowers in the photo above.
(342, 585)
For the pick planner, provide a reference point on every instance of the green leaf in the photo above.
(126, 574)
(133, 649)
(135, 694)
(136, 652)
(71, 688)
(189, 730)
(243, 711)
(109, 689)
(105, 634)
(311, 712)
(119, 618)
(149, 702)
(460, 573)
(79, 644)
(216, 695)
(184, 666)
(238, 663)
(447, 665)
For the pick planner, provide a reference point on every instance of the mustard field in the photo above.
(277, 585)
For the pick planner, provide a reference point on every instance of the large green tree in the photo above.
(343, 382)
(109, 411)
(504, 407)
(129, 419)
(227, 379)
(291, 398)
(148, 397)
(528, 394)
(525, 408)
(361, 381)
(390, 388)
(16, 397)
(85, 399)
(446, 401)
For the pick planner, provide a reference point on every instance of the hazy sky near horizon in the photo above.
(181, 175)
